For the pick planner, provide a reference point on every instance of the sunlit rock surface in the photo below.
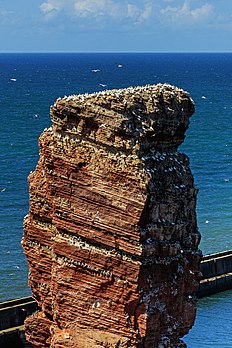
(111, 237)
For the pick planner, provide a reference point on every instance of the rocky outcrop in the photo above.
(111, 237)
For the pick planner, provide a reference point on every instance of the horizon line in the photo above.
(120, 52)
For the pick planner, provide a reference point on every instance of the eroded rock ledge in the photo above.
(111, 237)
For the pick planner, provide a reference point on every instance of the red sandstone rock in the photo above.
(111, 237)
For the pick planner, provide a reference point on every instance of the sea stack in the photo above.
(111, 237)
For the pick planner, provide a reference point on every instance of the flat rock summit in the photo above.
(111, 236)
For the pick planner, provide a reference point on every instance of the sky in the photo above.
(115, 25)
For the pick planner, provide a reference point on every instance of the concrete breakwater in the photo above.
(216, 272)
(216, 277)
(12, 316)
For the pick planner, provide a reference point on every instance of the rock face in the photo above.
(111, 237)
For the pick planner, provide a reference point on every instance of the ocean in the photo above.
(30, 83)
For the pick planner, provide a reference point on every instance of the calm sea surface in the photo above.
(30, 83)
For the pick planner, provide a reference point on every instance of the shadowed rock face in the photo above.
(111, 237)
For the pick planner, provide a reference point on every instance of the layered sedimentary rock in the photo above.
(111, 237)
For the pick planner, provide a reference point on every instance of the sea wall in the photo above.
(12, 316)
(111, 237)
(216, 272)
(14, 312)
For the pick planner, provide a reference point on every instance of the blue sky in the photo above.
(115, 25)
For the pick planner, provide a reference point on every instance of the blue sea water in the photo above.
(30, 83)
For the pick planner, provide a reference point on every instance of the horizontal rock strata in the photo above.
(111, 237)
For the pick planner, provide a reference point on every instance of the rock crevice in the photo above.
(111, 237)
